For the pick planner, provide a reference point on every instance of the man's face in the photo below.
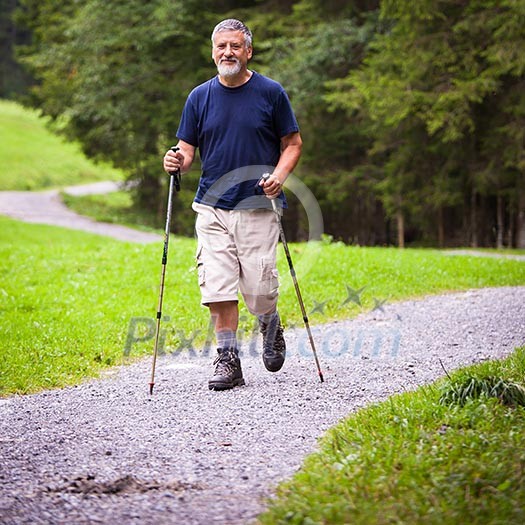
(230, 53)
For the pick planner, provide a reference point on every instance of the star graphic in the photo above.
(353, 295)
(318, 307)
(378, 305)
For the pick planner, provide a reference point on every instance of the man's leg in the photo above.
(225, 317)
(218, 272)
(258, 280)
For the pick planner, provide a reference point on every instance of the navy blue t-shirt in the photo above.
(238, 132)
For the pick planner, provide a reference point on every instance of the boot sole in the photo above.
(226, 386)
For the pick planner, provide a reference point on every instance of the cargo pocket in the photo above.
(269, 276)
(200, 266)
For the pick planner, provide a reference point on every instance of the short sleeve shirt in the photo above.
(238, 132)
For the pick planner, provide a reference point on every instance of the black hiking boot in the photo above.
(274, 346)
(228, 372)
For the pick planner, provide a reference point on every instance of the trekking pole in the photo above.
(174, 181)
(296, 284)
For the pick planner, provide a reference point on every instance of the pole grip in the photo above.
(175, 174)
(265, 177)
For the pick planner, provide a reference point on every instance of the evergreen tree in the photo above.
(434, 87)
(14, 81)
(412, 113)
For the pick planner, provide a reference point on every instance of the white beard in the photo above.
(227, 70)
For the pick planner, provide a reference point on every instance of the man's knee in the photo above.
(261, 304)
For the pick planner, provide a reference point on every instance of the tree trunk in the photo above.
(510, 230)
(473, 220)
(441, 228)
(400, 218)
(520, 219)
(500, 226)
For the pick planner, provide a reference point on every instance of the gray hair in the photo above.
(231, 24)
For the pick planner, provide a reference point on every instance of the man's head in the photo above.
(231, 24)
(232, 47)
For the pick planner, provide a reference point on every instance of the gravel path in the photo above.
(47, 208)
(105, 452)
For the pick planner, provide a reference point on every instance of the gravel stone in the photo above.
(106, 452)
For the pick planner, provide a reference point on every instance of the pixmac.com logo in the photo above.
(333, 341)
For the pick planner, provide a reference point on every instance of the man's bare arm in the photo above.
(291, 146)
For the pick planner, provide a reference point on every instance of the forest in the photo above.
(412, 113)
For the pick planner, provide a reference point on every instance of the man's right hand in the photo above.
(173, 161)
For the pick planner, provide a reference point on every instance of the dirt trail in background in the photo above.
(47, 208)
(476, 253)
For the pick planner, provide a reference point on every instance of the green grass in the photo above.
(415, 460)
(33, 158)
(67, 298)
(115, 207)
(390, 274)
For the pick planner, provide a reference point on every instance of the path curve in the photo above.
(480, 253)
(105, 452)
(47, 208)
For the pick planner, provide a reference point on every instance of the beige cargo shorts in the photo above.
(236, 252)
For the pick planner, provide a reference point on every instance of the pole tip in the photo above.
(151, 385)
(321, 377)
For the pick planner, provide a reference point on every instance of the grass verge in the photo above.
(69, 301)
(53, 162)
(115, 208)
(119, 207)
(414, 460)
